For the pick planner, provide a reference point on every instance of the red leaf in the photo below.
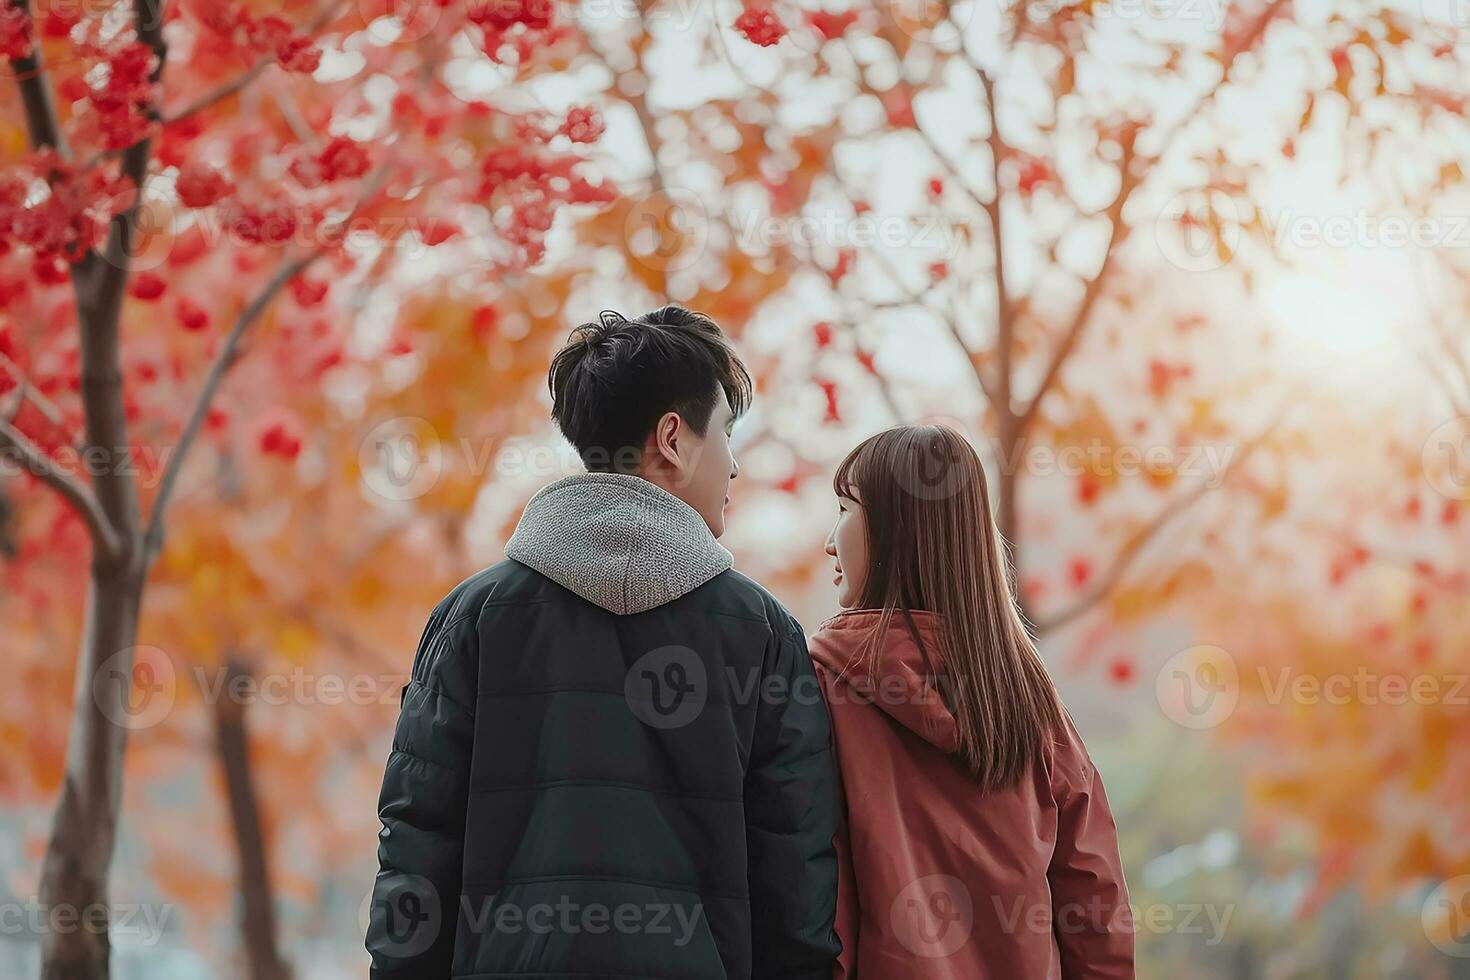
(191, 316)
(308, 292)
(440, 232)
(1120, 671)
(281, 437)
(829, 389)
(1034, 173)
(1079, 571)
(1088, 488)
(147, 287)
(831, 26)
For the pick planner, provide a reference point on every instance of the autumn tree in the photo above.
(188, 164)
(1001, 189)
(1359, 688)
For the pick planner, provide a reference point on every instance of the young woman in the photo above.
(976, 841)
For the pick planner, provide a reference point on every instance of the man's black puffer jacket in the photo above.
(612, 761)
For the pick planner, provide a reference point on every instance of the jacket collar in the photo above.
(617, 540)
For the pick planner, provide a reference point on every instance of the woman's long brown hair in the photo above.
(932, 545)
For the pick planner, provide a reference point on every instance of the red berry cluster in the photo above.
(122, 100)
(341, 159)
(502, 15)
(70, 216)
(583, 125)
(15, 32)
(534, 184)
(199, 186)
(761, 26)
(269, 35)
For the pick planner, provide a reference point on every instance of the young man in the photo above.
(612, 759)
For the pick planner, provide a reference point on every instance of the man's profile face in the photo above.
(708, 466)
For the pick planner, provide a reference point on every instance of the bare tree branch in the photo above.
(224, 360)
(35, 93)
(220, 93)
(229, 352)
(1003, 313)
(1128, 183)
(236, 84)
(105, 538)
(1090, 294)
(1140, 538)
(30, 392)
(17, 399)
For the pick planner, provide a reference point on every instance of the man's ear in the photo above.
(667, 433)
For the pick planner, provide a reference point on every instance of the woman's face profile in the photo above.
(848, 544)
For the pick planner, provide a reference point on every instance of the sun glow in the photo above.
(1357, 306)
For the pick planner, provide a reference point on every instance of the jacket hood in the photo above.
(904, 687)
(618, 541)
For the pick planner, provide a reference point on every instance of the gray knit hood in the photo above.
(618, 541)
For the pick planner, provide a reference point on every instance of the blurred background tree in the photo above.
(1073, 229)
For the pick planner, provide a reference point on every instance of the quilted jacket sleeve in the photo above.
(415, 901)
(791, 817)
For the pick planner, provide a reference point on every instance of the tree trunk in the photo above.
(1009, 443)
(258, 923)
(84, 827)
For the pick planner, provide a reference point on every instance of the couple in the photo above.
(618, 758)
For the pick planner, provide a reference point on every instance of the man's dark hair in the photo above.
(616, 378)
